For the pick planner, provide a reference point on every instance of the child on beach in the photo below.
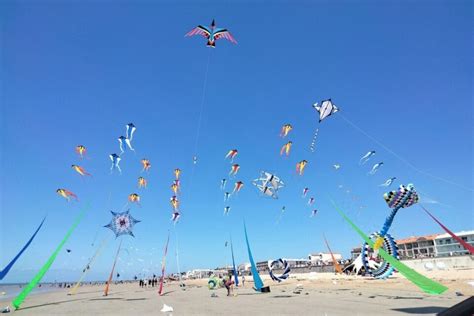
(228, 285)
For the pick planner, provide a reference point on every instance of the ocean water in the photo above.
(9, 291)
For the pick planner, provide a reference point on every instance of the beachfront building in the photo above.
(447, 246)
(323, 258)
(355, 252)
(199, 273)
(417, 247)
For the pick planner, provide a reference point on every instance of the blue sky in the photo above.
(77, 73)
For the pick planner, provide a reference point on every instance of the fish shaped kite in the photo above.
(234, 169)
(80, 170)
(388, 182)
(115, 162)
(313, 213)
(66, 194)
(223, 183)
(134, 198)
(375, 168)
(286, 148)
(142, 182)
(177, 173)
(175, 216)
(81, 150)
(146, 164)
(122, 223)
(305, 191)
(226, 196)
(311, 201)
(231, 154)
(174, 202)
(238, 186)
(300, 167)
(366, 157)
(226, 210)
(212, 34)
(123, 140)
(174, 188)
(285, 130)
(130, 130)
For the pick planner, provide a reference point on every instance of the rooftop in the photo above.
(413, 239)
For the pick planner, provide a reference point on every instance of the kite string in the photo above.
(401, 158)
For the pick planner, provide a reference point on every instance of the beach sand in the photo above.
(321, 294)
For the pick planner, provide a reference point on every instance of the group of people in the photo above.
(152, 282)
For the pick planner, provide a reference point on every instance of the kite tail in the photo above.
(233, 263)
(427, 285)
(336, 265)
(21, 297)
(5, 271)
(97, 253)
(163, 264)
(256, 277)
(106, 290)
(462, 242)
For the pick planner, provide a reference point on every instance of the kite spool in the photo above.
(279, 263)
(384, 270)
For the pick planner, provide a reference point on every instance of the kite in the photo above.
(5, 271)
(177, 173)
(366, 157)
(231, 154)
(312, 147)
(383, 269)
(163, 264)
(305, 191)
(375, 168)
(253, 268)
(178, 183)
(226, 196)
(134, 198)
(283, 209)
(402, 198)
(226, 210)
(425, 284)
(337, 267)
(236, 275)
(286, 148)
(174, 202)
(130, 130)
(311, 201)
(268, 184)
(142, 182)
(115, 162)
(80, 170)
(300, 167)
(466, 246)
(195, 159)
(313, 213)
(336, 166)
(175, 188)
(68, 250)
(37, 278)
(388, 182)
(279, 264)
(66, 194)
(212, 34)
(285, 130)
(234, 169)
(326, 109)
(122, 223)
(122, 140)
(238, 186)
(146, 164)
(81, 150)
(175, 216)
(106, 290)
(223, 182)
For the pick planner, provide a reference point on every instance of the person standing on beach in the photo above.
(228, 285)
(243, 280)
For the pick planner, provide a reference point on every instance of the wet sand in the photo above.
(321, 294)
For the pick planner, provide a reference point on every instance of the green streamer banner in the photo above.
(427, 285)
(21, 297)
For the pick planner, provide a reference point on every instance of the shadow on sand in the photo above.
(48, 304)
(420, 310)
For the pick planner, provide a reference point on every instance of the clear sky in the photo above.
(77, 73)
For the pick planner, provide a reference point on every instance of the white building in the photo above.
(323, 258)
(448, 246)
(199, 273)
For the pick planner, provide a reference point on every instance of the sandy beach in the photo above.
(321, 294)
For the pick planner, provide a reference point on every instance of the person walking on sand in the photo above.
(228, 285)
(243, 280)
